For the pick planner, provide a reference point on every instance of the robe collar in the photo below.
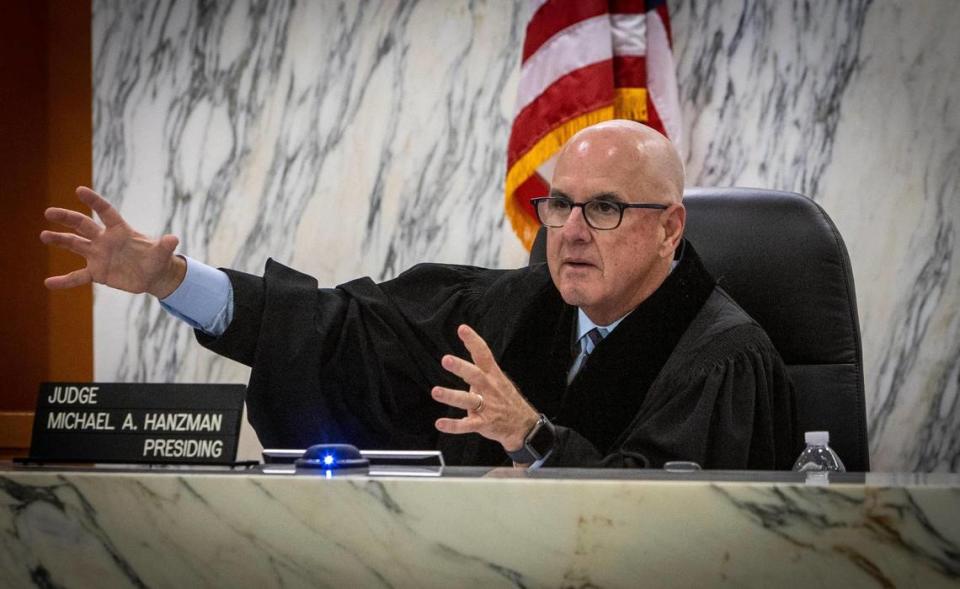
(608, 391)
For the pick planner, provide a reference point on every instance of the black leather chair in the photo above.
(782, 259)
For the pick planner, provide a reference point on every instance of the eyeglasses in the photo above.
(553, 211)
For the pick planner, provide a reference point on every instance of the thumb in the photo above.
(169, 243)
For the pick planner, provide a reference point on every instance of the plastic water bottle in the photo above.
(818, 456)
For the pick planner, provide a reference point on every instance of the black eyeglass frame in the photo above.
(621, 206)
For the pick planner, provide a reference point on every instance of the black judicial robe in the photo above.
(688, 375)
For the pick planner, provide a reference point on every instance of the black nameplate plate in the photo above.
(137, 423)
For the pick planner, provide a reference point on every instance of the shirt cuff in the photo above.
(536, 465)
(204, 299)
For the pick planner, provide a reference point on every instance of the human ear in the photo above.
(672, 222)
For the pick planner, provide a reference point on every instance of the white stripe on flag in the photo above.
(662, 79)
(629, 34)
(576, 46)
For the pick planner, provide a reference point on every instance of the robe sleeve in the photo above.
(732, 407)
(355, 364)
(352, 364)
(752, 425)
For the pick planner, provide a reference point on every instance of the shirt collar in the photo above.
(584, 324)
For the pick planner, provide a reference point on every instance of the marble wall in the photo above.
(347, 138)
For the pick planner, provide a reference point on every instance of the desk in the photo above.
(476, 527)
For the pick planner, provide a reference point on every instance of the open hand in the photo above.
(116, 255)
(504, 415)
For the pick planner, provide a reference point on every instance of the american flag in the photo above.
(585, 61)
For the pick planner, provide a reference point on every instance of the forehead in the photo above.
(591, 169)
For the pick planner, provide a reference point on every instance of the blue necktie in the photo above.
(587, 342)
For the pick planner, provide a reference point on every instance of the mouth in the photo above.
(578, 263)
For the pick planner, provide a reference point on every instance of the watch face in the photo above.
(542, 440)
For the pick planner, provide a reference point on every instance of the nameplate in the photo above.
(137, 423)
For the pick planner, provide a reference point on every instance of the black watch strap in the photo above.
(537, 443)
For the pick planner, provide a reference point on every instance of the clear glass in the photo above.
(818, 458)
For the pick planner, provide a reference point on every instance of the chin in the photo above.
(576, 296)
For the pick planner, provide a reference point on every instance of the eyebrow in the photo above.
(608, 196)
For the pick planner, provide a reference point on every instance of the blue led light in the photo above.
(327, 457)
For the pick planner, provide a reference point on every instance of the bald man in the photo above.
(621, 351)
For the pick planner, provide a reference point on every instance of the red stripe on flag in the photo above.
(533, 187)
(553, 17)
(628, 6)
(630, 71)
(578, 92)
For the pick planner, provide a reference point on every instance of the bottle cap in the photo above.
(817, 438)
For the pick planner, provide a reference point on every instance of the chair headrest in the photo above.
(782, 259)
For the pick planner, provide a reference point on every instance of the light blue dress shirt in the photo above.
(204, 299)
(584, 324)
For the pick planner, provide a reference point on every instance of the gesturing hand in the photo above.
(116, 255)
(504, 415)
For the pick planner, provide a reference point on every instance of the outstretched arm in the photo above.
(116, 254)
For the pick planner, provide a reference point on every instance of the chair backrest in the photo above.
(782, 259)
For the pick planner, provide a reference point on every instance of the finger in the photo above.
(169, 243)
(469, 372)
(104, 209)
(79, 222)
(67, 241)
(478, 348)
(75, 278)
(455, 398)
(466, 425)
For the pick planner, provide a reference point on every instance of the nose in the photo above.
(575, 228)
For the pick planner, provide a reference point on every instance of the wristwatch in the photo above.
(538, 442)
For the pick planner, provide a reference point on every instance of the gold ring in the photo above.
(479, 406)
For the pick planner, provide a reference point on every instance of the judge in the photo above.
(620, 351)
